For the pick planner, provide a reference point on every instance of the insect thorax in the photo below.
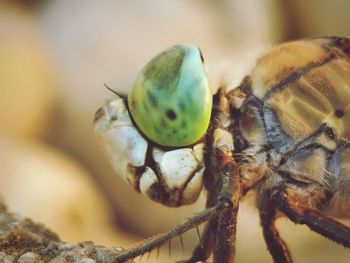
(293, 121)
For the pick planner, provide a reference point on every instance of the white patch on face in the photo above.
(157, 155)
(122, 141)
(193, 188)
(176, 166)
(124, 146)
(148, 178)
(114, 114)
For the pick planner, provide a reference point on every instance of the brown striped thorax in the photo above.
(295, 119)
(289, 121)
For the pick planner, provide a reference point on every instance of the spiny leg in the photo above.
(207, 239)
(158, 240)
(276, 246)
(224, 169)
(225, 247)
(223, 186)
(317, 222)
(204, 249)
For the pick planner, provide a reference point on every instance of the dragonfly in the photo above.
(283, 133)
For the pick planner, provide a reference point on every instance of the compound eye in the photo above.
(171, 99)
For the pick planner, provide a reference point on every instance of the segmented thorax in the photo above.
(298, 108)
(306, 83)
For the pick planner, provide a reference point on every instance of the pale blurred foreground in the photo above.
(53, 63)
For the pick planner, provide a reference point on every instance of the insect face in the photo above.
(170, 103)
(172, 177)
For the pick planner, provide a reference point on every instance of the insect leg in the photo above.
(158, 240)
(277, 247)
(224, 250)
(225, 247)
(224, 170)
(204, 249)
(317, 222)
(207, 239)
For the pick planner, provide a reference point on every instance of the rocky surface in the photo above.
(24, 241)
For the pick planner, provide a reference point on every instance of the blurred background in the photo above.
(54, 58)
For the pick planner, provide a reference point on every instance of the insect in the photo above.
(283, 133)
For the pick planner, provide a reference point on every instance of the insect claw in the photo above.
(199, 237)
(170, 248)
(149, 254)
(157, 252)
(182, 244)
(141, 257)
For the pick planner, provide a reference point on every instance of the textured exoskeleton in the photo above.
(284, 132)
(295, 121)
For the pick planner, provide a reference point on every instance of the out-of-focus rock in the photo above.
(109, 42)
(317, 18)
(46, 185)
(26, 75)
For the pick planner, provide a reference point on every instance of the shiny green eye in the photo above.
(171, 98)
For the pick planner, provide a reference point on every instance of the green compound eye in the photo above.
(171, 98)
